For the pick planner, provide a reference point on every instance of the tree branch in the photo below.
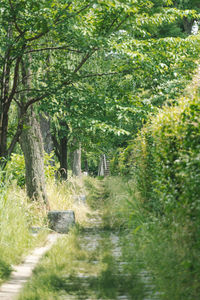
(15, 82)
(83, 61)
(36, 37)
(104, 74)
(17, 134)
(27, 90)
(118, 26)
(15, 19)
(79, 11)
(18, 103)
(34, 100)
(53, 48)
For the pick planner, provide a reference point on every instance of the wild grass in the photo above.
(64, 195)
(75, 270)
(17, 215)
(163, 246)
(159, 251)
(110, 198)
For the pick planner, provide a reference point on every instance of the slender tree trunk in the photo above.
(60, 140)
(32, 147)
(76, 171)
(63, 158)
(46, 135)
(188, 23)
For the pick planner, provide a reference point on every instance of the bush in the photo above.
(165, 162)
(165, 159)
(15, 168)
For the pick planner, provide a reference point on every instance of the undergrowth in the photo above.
(159, 254)
(20, 217)
(110, 198)
(17, 216)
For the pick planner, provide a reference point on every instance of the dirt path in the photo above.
(21, 274)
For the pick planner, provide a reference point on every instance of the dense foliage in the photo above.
(164, 162)
(109, 76)
(165, 158)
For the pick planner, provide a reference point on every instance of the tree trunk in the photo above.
(32, 147)
(187, 24)
(63, 158)
(76, 171)
(60, 141)
(46, 136)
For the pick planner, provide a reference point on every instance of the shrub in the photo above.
(15, 168)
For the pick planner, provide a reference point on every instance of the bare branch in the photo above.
(27, 90)
(18, 103)
(15, 19)
(119, 25)
(83, 61)
(54, 48)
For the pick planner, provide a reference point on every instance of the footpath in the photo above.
(22, 273)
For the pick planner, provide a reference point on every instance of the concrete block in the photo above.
(61, 221)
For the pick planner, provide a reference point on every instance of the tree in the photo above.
(32, 146)
(73, 33)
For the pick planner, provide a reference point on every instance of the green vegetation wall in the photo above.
(165, 160)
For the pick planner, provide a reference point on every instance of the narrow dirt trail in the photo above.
(22, 273)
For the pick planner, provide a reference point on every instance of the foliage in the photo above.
(164, 162)
(162, 250)
(106, 193)
(165, 157)
(15, 168)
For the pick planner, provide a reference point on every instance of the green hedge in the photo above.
(165, 160)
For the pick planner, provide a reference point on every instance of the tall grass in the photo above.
(16, 218)
(161, 246)
(158, 252)
(64, 195)
(110, 198)
(18, 215)
(164, 162)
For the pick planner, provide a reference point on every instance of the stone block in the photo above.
(61, 221)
